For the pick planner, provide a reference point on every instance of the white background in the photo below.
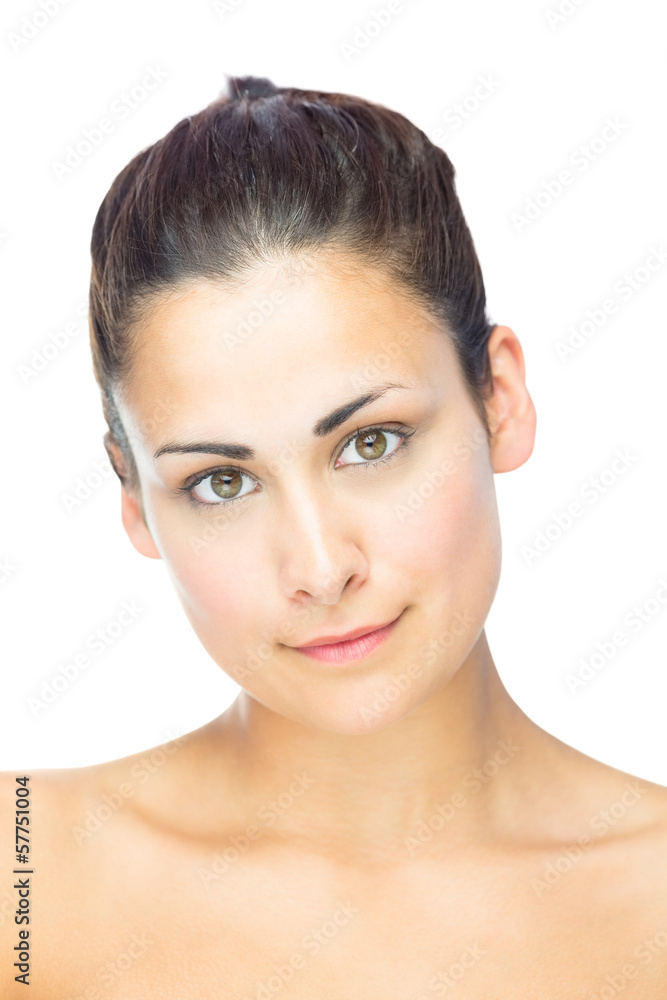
(66, 573)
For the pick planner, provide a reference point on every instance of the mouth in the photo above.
(357, 646)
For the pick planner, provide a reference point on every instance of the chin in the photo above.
(356, 703)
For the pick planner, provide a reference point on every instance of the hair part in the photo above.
(266, 174)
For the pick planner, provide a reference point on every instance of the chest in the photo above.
(261, 928)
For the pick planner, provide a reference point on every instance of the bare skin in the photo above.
(390, 827)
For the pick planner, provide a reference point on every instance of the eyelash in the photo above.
(187, 488)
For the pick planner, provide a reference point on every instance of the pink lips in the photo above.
(349, 649)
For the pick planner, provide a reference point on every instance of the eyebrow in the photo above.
(323, 427)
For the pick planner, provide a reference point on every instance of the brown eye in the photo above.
(226, 485)
(369, 448)
(222, 486)
(372, 444)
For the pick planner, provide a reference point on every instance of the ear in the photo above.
(131, 506)
(512, 416)
(134, 522)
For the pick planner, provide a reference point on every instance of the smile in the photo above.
(349, 649)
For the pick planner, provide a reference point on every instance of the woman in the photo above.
(306, 408)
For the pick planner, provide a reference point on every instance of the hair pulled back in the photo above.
(266, 173)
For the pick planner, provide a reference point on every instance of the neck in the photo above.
(447, 772)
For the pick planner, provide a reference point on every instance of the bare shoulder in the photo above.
(618, 820)
(650, 830)
(625, 840)
(52, 810)
(631, 805)
(66, 829)
(607, 826)
(17, 880)
(639, 813)
(72, 804)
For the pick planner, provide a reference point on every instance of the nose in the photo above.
(318, 555)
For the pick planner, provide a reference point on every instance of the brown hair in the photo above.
(263, 173)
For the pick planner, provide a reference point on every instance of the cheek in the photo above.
(217, 577)
(448, 541)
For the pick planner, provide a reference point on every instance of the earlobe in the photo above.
(512, 416)
(134, 523)
(132, 513)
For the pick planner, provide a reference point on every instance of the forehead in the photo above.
(294, 336)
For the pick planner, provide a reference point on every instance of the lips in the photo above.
(326, 640)
(353, 646)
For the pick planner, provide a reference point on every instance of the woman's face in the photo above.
(310, 515)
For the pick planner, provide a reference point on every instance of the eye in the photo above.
(223, 487)
(372, 445)
(220, 486)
